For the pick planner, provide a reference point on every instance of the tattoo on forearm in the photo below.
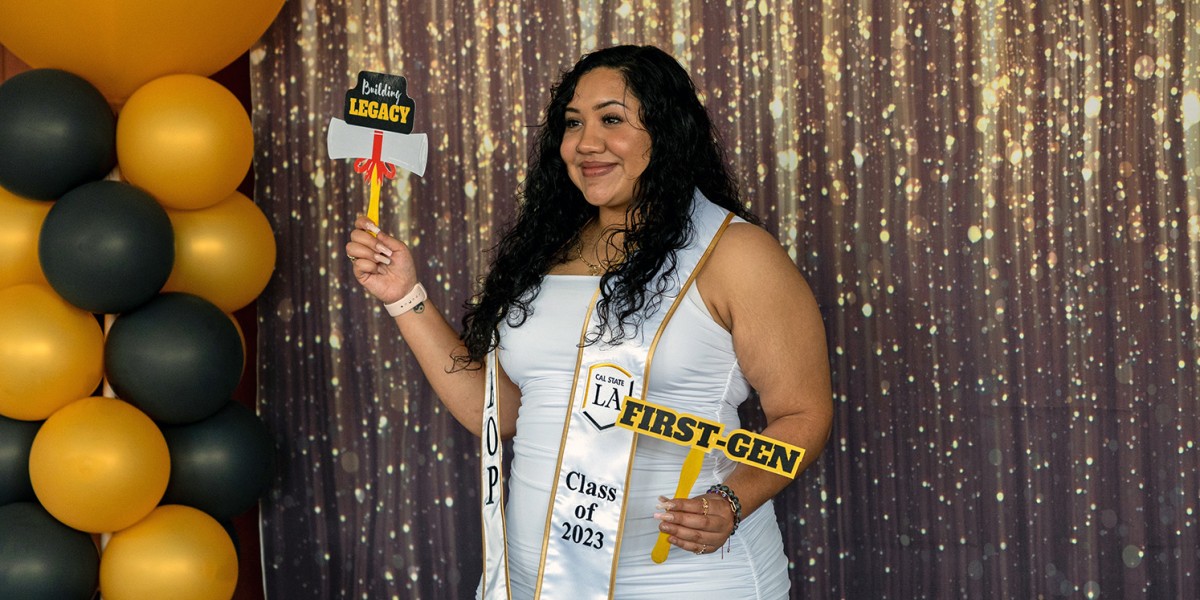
(420, 308)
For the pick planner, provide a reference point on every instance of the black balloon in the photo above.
(178, 358)
(56, 132)
(16, 438)
(42, 559)
(107, 247)
(220, 465)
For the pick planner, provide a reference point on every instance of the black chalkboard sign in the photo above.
(380, 101)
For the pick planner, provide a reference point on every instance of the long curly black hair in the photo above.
(685, 155)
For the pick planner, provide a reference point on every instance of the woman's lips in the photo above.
(596, 169)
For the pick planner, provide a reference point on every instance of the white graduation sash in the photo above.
(582, 539)
(495, 545)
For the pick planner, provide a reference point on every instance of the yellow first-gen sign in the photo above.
(692, 431)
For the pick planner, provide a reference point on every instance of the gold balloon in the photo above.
(177, 552)
(224, 254)
(99, 465)
(51, 353)
(119, 45)
(20, 222)
(186, 140)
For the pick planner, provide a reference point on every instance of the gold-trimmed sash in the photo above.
(495, 584)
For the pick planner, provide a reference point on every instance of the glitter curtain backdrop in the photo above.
(996, 204)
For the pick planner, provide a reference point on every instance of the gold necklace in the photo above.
(604, 264)
(593, 270)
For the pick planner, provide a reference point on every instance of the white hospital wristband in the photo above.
(405, 304)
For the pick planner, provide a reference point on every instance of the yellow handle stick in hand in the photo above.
(687, 478)
(373, 204)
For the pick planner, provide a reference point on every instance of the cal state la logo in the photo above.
(607, 386)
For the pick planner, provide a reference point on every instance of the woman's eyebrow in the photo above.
(600, 105)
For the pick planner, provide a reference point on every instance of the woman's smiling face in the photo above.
(605, 147)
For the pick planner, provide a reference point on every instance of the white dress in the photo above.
(694, 371)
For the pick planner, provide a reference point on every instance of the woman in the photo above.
(631, 249)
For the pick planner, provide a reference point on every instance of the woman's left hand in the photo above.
(699, 525)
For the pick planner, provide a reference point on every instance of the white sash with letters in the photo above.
(582, 541)
(495, 551)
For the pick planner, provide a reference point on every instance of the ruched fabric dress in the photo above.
(694, 370)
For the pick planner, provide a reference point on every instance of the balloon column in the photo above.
(120, 45)
(124, 247)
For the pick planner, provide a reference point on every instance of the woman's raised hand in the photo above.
(383, 264)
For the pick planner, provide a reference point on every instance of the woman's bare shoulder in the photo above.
(749, 271)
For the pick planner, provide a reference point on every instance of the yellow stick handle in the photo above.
(687, 478)
(373, 205)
